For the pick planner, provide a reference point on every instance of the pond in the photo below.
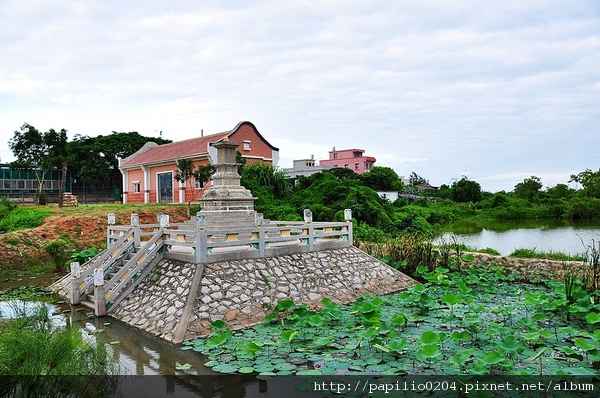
(148, 365)
(541, 235)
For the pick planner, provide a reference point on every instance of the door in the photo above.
(165, 187)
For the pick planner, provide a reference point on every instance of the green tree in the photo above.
(98, 157)
(465, 190)
(193, 177)
(529, 188)
(416, 179)
(37, 151)
(263, 174)
(381, 179)
(560, 191)
(342, 172)
(590, 181)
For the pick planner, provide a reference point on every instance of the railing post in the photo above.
(311, 240)
(135, 223)
(100, 299)
(201, 247)
(75, 274)
(350, 234)
(261, 242)
(111, 220)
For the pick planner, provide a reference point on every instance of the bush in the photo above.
(85, 255)
(58, 251)
(583, 208)
(42, 198)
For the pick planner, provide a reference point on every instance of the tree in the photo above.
(381, 179)
(188, 174)
(529, 188)
(37, 151)
(416, 179)
(97, 157)
(342, 172)
(590, 181)
(465, 190)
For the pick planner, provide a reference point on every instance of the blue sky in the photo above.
(495, 91)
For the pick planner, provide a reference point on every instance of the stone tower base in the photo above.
(180, 300)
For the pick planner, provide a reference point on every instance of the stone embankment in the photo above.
(180, 300)
(532, 269)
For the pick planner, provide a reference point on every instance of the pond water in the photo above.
(148, 364)
(543, 236)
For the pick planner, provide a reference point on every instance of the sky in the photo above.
(497, 91)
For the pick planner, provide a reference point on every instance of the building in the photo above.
(389, 195)
(22, 185)
(305, 167)
(353, 159)
(149, 174)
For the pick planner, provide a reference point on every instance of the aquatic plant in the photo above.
(479, 321)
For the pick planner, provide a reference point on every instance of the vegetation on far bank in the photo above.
(328, 193)
(39, 238)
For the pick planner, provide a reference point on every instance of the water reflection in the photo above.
(147, 363)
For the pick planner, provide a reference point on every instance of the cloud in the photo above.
(433, 87)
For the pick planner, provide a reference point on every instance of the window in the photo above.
(136, 187)
(335, 155)
(356, 166)
(346, 166)
(356, 154)
(246, 145)
(198, 184)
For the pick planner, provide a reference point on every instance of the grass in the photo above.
(533, 253)
(24, 218)
(32, 348)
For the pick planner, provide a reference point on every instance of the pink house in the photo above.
(353, 159)
(149, 174)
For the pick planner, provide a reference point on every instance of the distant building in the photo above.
(352, 159)
(305, 167)
(389, 195)
(22, 185)
(423, 187)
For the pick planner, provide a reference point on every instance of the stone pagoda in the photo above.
(226, 204)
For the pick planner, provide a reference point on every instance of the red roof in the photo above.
(152, 153)
(193, 147)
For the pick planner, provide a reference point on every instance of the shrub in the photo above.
(85, 255)
(58, 252)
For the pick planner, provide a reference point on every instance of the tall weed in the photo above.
(33, 348)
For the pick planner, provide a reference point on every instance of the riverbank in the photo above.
(532, 269)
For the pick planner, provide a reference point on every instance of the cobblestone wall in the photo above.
(158, 303)
(242, 292)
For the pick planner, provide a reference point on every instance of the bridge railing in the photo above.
(276, 238)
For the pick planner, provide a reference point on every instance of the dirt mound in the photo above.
(81, 228)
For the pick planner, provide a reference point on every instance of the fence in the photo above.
(275, 239)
